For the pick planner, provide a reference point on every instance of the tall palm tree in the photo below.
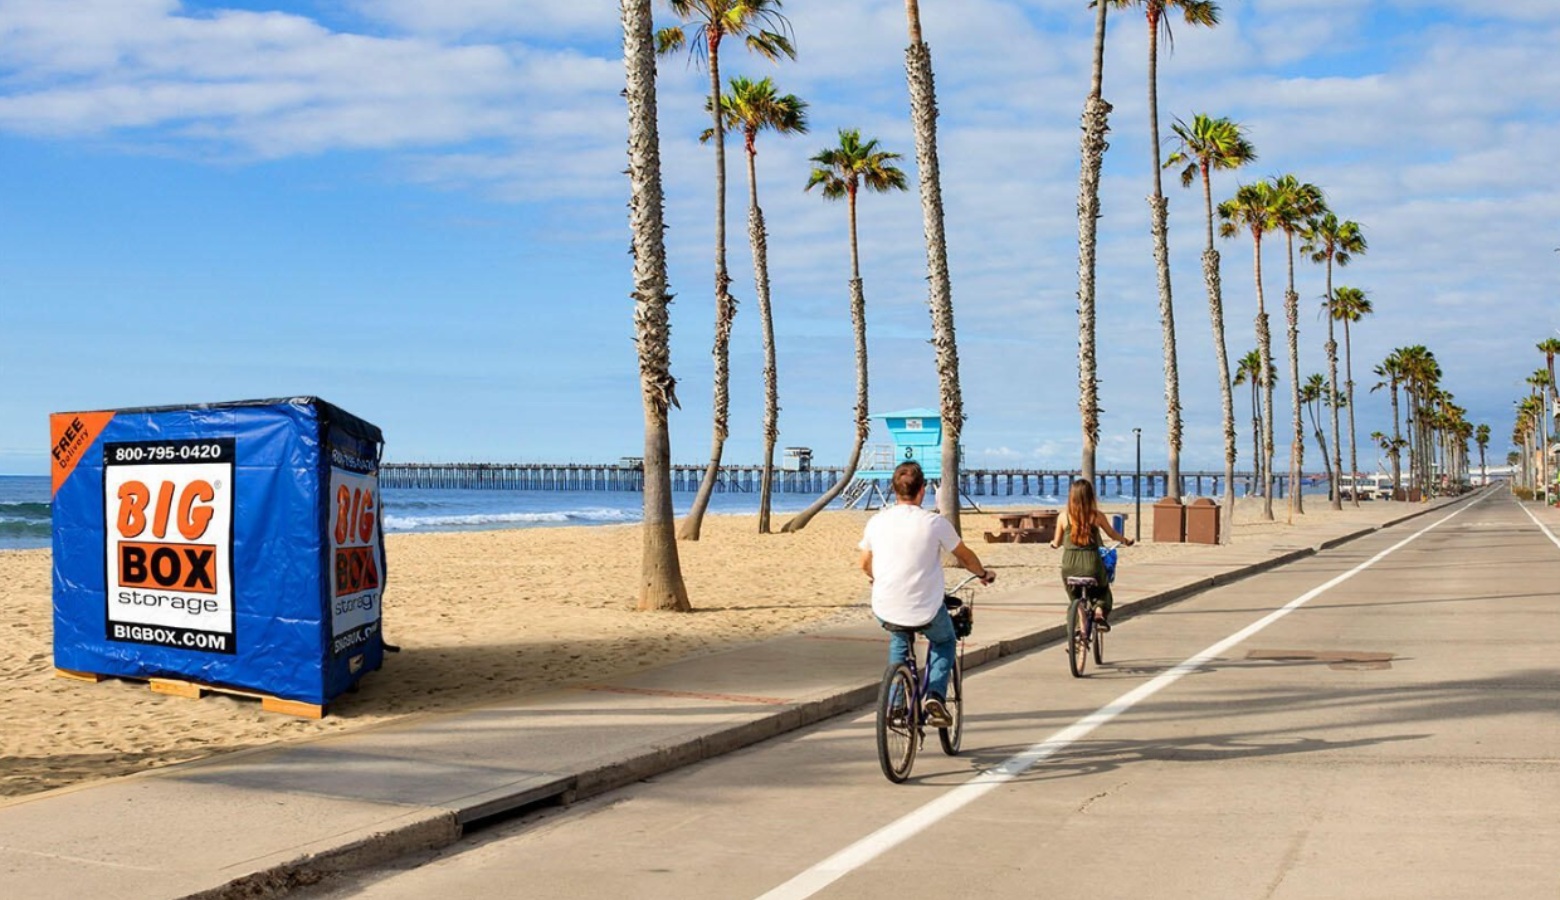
(1251, 209)
(660, 573)
(1350, 305)
(706, 23)
(753, 106)
(1096, 116)
(1331, 241)
(1391, 369)
(1550, 347)
(1205, 145)
(1294, 201)
(1248, 371)
(841, 172)
(923, 116)
(1482, 437)
(1157, 12)
(1541, 384)
(1312, 394)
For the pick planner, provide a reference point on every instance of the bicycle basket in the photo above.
(962, 613)
(1108, 557)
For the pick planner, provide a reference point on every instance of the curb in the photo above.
(434, 829)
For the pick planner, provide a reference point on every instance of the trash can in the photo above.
(1169, 521)
(1202, 522)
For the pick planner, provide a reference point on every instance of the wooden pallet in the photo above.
(194, 691)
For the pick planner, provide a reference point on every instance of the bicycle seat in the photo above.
(903, 629)
(1082, 581)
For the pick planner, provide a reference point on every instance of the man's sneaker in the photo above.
(937, 714)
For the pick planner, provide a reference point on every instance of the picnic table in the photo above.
(1036, 527)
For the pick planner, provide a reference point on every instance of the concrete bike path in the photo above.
(263, 820)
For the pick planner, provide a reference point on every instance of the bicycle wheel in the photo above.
(897, 723)
(1077, 637)
(952, 735)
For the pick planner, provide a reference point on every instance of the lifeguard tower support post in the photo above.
(917, 437)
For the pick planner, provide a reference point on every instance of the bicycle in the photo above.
(900, 727)
(1083, 634)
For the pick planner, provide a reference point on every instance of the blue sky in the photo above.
(416, 211)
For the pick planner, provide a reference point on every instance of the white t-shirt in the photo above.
(907, 545)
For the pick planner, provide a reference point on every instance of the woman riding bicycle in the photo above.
(901, 552)
(1079, 530)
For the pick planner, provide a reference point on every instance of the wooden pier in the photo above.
(745, 479)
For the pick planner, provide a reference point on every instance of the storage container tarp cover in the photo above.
(235, 544)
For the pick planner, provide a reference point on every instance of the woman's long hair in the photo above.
(1081, 512)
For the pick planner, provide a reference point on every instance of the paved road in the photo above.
(1381, 720)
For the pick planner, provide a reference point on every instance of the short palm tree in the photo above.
(706, 24)
(1203, 146)
(1481, 436)
(1331, 241)
(923, 116)
(1391, 371)
(1251, 210)
(660, 574)
(1294, 202)
(1313, 393)
(1247, 372)
(753, 106)
(841, 172)
(1350, 305)
(1158, 14)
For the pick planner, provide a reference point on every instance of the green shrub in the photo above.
(1523, 493)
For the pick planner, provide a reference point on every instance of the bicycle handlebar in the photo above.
(969, 579)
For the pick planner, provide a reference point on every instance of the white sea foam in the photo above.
(599, 516)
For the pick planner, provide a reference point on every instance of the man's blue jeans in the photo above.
(945, 643)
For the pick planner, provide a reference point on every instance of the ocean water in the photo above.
(25, 522)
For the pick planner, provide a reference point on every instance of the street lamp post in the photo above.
(1137, 489)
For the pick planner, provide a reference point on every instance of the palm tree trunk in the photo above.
(1159, 217)
(758, 237)
(725, 312)
(1096, 113)
(1210, 260)
(923, 115)
(858, 320)
(1397, 441)
(1297, 445)
(1348, 374)
(1265, 364)
(1332, 391)
(660, 574)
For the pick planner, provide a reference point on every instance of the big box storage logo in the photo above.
(168, 507)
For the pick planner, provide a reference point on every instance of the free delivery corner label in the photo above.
(168, 509)
(355, 552)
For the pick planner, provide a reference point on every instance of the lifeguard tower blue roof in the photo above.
(916, 435)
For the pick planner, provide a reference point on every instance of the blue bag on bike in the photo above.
(1108, 557)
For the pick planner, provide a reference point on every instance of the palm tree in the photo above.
(1482, 437)
(1391, 369)
(660, 574)
(753, 106)
(842, 172)
(1205, 145)
(1252, 209)
(767, 33)
(1195, 12)
(1312, 395)
(1096, 115)
(1294, 202)
(1331, 241)
(1350, 305)
(1247, 372)
(1541, 385)
(923, 115)
(1550, 347)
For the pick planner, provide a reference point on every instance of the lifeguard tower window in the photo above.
(796, 459)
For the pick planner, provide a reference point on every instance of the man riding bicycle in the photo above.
(901, 552)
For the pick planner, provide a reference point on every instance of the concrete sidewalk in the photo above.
(267, 819)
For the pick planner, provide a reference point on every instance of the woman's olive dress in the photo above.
(1085, 562)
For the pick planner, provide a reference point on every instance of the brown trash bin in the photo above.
(1169, 521)
(1202, 522)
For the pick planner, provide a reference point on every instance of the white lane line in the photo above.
(895, 833)
(1547, 533)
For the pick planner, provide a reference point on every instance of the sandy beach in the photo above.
(483, 616)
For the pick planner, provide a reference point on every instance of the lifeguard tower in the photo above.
(917, 437)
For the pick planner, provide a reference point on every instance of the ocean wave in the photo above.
(393, 522)
(24, 512)
(13, 528)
